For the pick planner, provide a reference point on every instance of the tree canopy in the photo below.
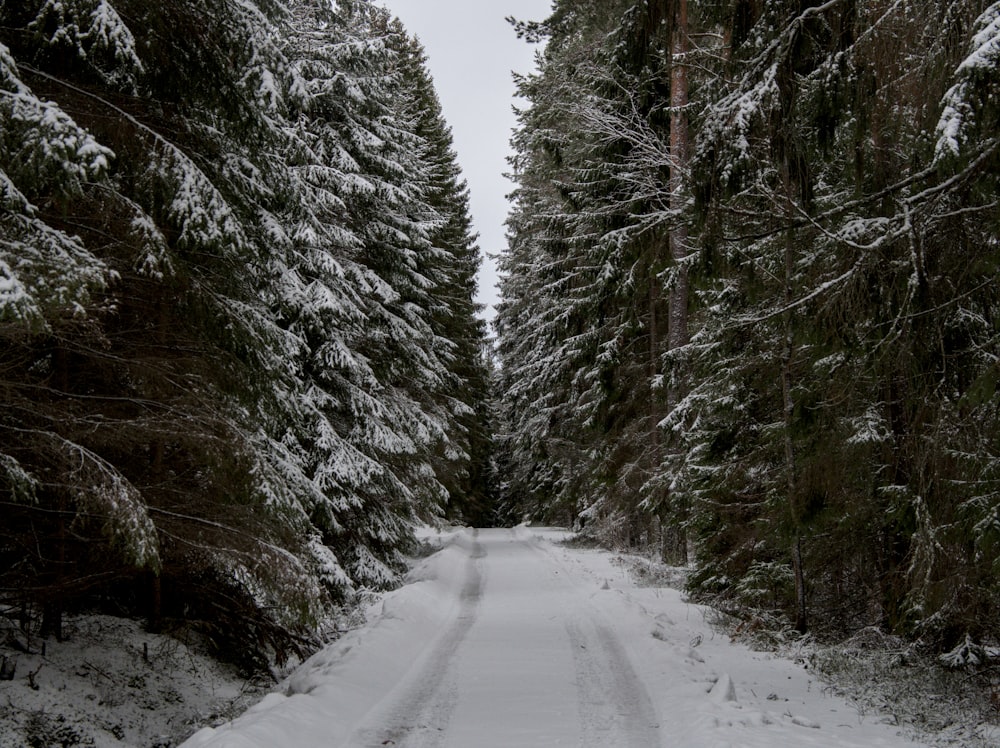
(240, 353)
(750, 301)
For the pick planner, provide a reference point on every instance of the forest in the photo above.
(750, 303)
(239, 352)
(749, 318)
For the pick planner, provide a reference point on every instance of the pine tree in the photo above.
(223, 387)
(539, 327)
(813, 434)
(828, 296)
(606, 90)
(464, 468)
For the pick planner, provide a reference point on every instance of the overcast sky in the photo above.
(471, 52)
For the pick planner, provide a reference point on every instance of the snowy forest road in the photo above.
(527, 662)
(508, 639)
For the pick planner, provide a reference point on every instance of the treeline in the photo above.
(752, 297)
(239, 352)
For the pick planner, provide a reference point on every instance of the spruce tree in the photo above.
(452, 264)
(814, 435)
(226, 388)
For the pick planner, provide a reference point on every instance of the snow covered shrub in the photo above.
(969, 655)
(43, 730)
(758, 628)
(246, 624)
(767, 584)
(894, 676)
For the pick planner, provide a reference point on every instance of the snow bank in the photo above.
(329, 695)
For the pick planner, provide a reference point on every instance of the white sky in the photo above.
(471, 52)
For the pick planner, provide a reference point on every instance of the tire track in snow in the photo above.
(419, 717)
(615, 708)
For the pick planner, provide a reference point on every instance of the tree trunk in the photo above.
(788, 413)
(679, 165)
(155, 623)
(801, 621)
(52, 622)
(677, 335)
(52, 607)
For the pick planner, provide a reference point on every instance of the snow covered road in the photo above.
(527, 664)
(504, 640)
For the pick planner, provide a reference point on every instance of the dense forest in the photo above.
(750, 309)
(239, 352)
(751, 302)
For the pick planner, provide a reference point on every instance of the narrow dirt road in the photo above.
(527, 662)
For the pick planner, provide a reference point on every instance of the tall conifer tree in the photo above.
(227, 385)
(817, 444)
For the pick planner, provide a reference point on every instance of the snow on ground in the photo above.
(500, 638)
(112, 684)
(505, 639)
